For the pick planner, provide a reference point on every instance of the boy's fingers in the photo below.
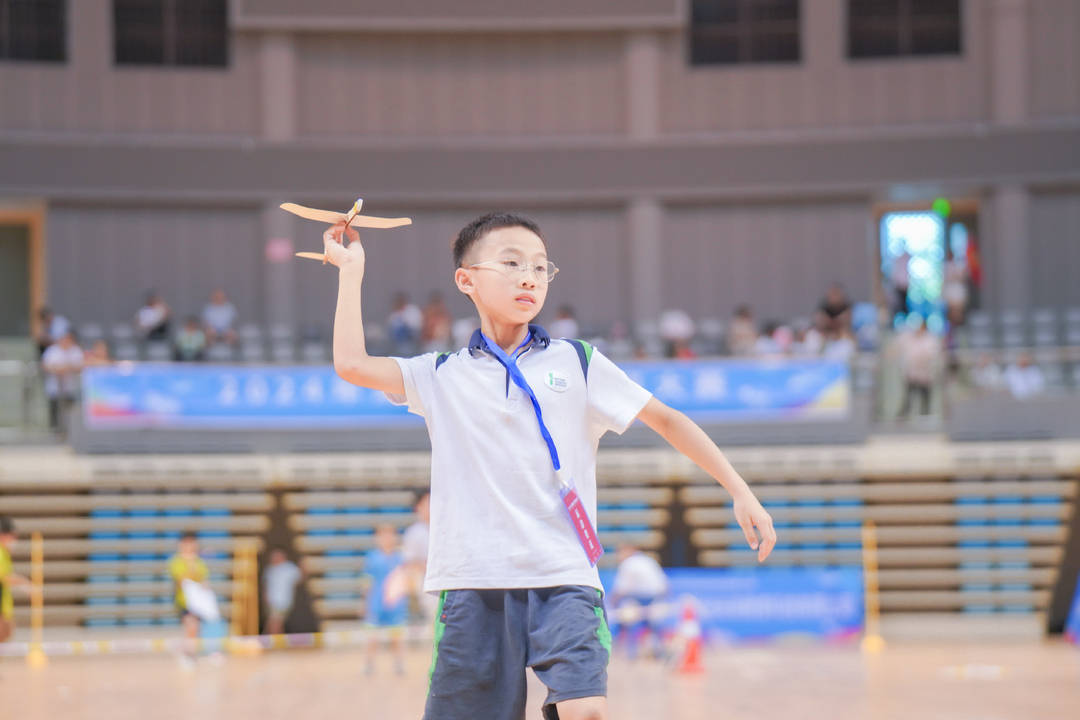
(748, 530)
(768, 540)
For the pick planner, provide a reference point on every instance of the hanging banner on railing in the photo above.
(179, 396)
(764, 603)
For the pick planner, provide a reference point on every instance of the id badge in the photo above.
(582, 525)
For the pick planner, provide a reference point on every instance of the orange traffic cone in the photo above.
(690, 629)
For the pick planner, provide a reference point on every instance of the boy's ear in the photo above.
(464, 281)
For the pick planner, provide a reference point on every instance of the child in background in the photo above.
(8, 578)
(387, 598)
(187, 565)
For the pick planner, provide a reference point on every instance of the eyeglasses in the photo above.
(543, 272)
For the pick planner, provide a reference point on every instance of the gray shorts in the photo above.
(484, 640)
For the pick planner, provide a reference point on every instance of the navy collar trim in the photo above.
(539, 335)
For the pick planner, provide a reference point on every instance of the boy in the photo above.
(514, 421)
(279, 586)
(187, 565)
(8, 578)
(387, 607)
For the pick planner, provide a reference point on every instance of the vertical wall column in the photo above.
(1009, 61)
(277, 83)
(641, 60)
(644, 215)
(645, 220)
(1010, 204)
(1011, 224)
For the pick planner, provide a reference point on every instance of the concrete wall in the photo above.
(658, 184)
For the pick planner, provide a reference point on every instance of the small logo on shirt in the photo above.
(556, 381)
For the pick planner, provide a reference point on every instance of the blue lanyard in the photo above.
(510, 363)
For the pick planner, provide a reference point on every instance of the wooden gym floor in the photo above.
(953, 681)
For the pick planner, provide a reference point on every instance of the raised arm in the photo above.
(688, 438)
(351, 360)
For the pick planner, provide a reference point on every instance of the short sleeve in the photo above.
(417, 375)
(614, 399)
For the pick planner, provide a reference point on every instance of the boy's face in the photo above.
(496, 286)
(189, 547)
(7, 540)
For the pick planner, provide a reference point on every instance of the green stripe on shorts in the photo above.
(603, 633)
(440, 628)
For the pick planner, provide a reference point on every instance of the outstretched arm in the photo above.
(689, 439)
(351, 359)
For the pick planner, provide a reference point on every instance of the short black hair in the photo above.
(481, 226)
(6, 525)
(189, 535)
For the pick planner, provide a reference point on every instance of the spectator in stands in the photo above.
(681, 350)
(839, 345)
(640, 583)
(620, 345)
(565, 325)
(920, 356)
(98, 354)
(986, 375)
(675, 326)
(152, 319)
(187, 565)
(218, 317)
(1024, 379)
(8, 578)
(190, 343)
(955, 290)
(63, 363)
(403, 325)
(462, 330)
(435, 325)
(387, 595)
(837, 307)
(279, 590)
(51, 327)
(900, 280)
(766, 345)
(742, 334)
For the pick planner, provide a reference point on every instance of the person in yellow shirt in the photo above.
(187, 565)
(8, 578)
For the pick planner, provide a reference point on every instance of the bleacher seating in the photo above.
(106, 548)
(977, 544)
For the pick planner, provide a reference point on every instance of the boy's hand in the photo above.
(750, 515)
(337, 252)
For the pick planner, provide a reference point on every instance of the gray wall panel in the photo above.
(1054, 29)
(440, 85)
(779, 258)
(1055, 249)
(101, 259)
(90, 94)
(825, 90)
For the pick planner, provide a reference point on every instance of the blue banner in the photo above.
(166, 395)
(235, 397)
(766, 603)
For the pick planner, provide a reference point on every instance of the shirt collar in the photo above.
(539, 338)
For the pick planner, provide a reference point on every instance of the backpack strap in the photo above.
(584, 352)
(441, 358)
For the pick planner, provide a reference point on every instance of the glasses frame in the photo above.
(500, 267)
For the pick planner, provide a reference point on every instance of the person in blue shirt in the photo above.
(387, 602)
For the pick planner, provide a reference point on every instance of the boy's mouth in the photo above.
(525, 299)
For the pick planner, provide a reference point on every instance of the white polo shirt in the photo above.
(497, 520)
